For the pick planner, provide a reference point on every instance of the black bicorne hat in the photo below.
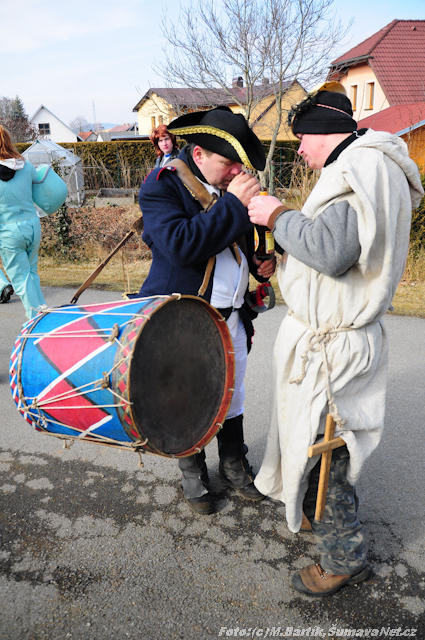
(221, 131)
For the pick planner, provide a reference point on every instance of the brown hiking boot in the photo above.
(305, 524)
(315, 581)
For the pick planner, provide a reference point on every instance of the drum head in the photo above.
(178, 376)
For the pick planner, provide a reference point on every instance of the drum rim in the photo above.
(26, 331)
(229, 381)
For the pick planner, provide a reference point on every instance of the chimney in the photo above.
(265, 81)
(237, 82)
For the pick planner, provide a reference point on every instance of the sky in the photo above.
(94, 59)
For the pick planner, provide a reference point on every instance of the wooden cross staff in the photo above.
(325, 448)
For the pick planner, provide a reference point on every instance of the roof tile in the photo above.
(397, 57)
(204, 98)
(396, 118)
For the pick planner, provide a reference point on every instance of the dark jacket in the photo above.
(182, 238)
(174, 154)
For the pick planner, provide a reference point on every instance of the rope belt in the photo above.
(318, 341)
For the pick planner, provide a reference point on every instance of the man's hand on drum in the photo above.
(265, 268)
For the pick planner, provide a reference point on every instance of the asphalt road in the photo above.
(94, 547)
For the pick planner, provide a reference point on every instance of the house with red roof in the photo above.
(120, 128)
(384, 77)
(88, 136)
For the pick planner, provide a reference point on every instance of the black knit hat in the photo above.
(323, 112)
(221, 131)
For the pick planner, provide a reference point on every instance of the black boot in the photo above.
(234, 466)
(6, 294)
(195, 483)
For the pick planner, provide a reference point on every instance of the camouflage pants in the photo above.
(339, 537)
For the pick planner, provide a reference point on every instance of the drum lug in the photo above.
(115, 332)
(105, 384)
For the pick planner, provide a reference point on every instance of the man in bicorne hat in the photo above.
(345, 255)
(183, 238)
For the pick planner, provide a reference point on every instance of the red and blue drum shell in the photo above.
(155, 374)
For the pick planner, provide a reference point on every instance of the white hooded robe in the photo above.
(382, 184)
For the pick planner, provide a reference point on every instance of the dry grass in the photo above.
(95, 232)
(97, 175)
(115, 276)
(303, 180)
(408, 301)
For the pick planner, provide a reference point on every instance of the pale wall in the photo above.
(265, 125)
(153, 107)
(360, 76)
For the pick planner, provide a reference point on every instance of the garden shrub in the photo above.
(93, 233)
(417, 231)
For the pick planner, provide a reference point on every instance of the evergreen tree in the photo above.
(14, 118)
(18, 111)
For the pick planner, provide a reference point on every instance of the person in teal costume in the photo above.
(20, 229)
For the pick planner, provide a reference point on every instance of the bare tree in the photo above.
(14, 118)
(79, 124)
(269, 44)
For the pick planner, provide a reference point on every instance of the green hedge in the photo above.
(138, 152)
(22, 146)
(124, 163)
(133, 152)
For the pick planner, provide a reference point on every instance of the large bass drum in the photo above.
(149, 374)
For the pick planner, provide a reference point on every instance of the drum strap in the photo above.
(200, 193)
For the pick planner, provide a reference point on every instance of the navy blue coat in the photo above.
(182, 238)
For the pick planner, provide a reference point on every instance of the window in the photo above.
(353, 96)
(161, 119)
(370, 94)
(153, 125)
(44, 129)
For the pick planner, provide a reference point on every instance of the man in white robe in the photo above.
(345, 254)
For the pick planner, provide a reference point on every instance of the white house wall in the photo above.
(58, 131)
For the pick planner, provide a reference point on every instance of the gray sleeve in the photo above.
(329, 244)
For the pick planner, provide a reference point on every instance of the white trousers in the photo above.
(238, 333)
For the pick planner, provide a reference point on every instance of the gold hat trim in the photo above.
(219, 133)
(331, 85)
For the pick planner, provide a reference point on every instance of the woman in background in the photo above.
(20, 229)
(165, 143)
